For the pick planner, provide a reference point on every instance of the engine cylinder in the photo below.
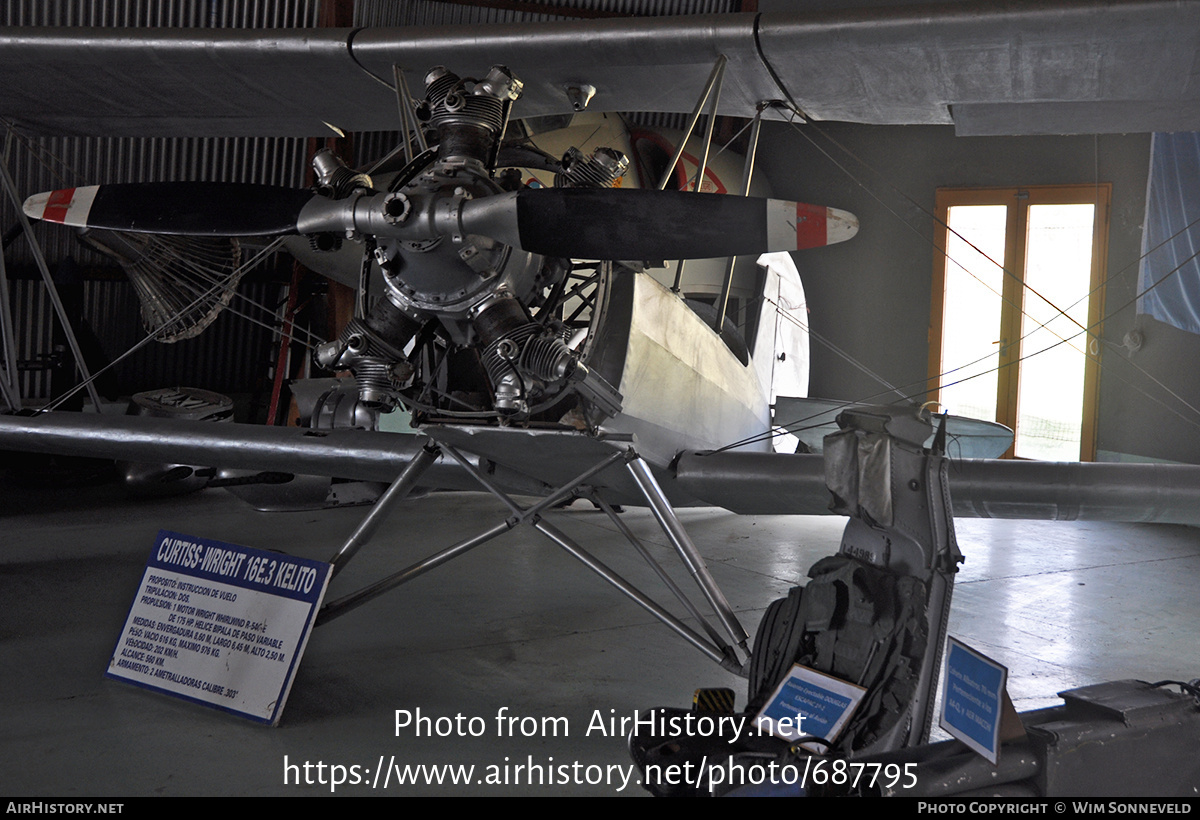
(373, 350)
(518, 354)
(468, 115)
(600, 170)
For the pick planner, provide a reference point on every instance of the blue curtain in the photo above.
(1172, 222)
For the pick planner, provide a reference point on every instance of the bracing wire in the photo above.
(167, 271)
(149, 337)
(1059, 311)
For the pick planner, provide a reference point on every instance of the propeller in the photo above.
(614, 223)
(179, 208)
(590, 223)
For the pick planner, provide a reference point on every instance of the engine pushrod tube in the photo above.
(679, 538)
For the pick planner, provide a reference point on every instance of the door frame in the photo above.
(1018, 200)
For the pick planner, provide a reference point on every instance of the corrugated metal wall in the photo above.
(47, 163)
(304, 13)
(155, 13)
(233, 355)
(439, 12)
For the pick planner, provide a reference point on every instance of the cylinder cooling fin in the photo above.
(468, 114)
(373, 350)
(599, 170)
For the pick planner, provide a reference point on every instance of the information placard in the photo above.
(808, 702)
(220, 624)
(973, 698)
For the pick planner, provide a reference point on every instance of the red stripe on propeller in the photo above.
(58, 204)
(810, 226)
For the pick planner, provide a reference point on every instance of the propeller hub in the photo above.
(437, 265)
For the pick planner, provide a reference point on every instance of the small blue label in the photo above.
(821, 708)
(809, 703)
(973, 699)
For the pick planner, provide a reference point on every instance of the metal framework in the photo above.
(747, 175)
(710, 98)
(725, 643)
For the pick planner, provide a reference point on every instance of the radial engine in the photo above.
(467, 326)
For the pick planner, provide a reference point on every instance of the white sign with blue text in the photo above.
(973, 699)
(220, 624)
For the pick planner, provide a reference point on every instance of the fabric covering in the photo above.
(1172, 222)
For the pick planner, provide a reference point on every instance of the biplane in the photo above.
(476, 331)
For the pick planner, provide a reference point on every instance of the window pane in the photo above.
(971, 322)
(1059, 267)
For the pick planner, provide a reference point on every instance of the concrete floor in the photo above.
(516, 624)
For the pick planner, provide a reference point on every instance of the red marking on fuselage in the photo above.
(810, 226)
(681, 176)
(58, 204)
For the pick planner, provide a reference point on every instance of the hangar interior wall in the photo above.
(870, 297)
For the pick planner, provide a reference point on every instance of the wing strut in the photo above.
(711, 89)
(673, 528)
(747, 175)
(715, 79)
(394, 494)
(714, 646)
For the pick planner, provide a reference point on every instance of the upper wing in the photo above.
(1096, 66)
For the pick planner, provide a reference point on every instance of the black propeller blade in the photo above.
(182, 208)
(613, 223)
